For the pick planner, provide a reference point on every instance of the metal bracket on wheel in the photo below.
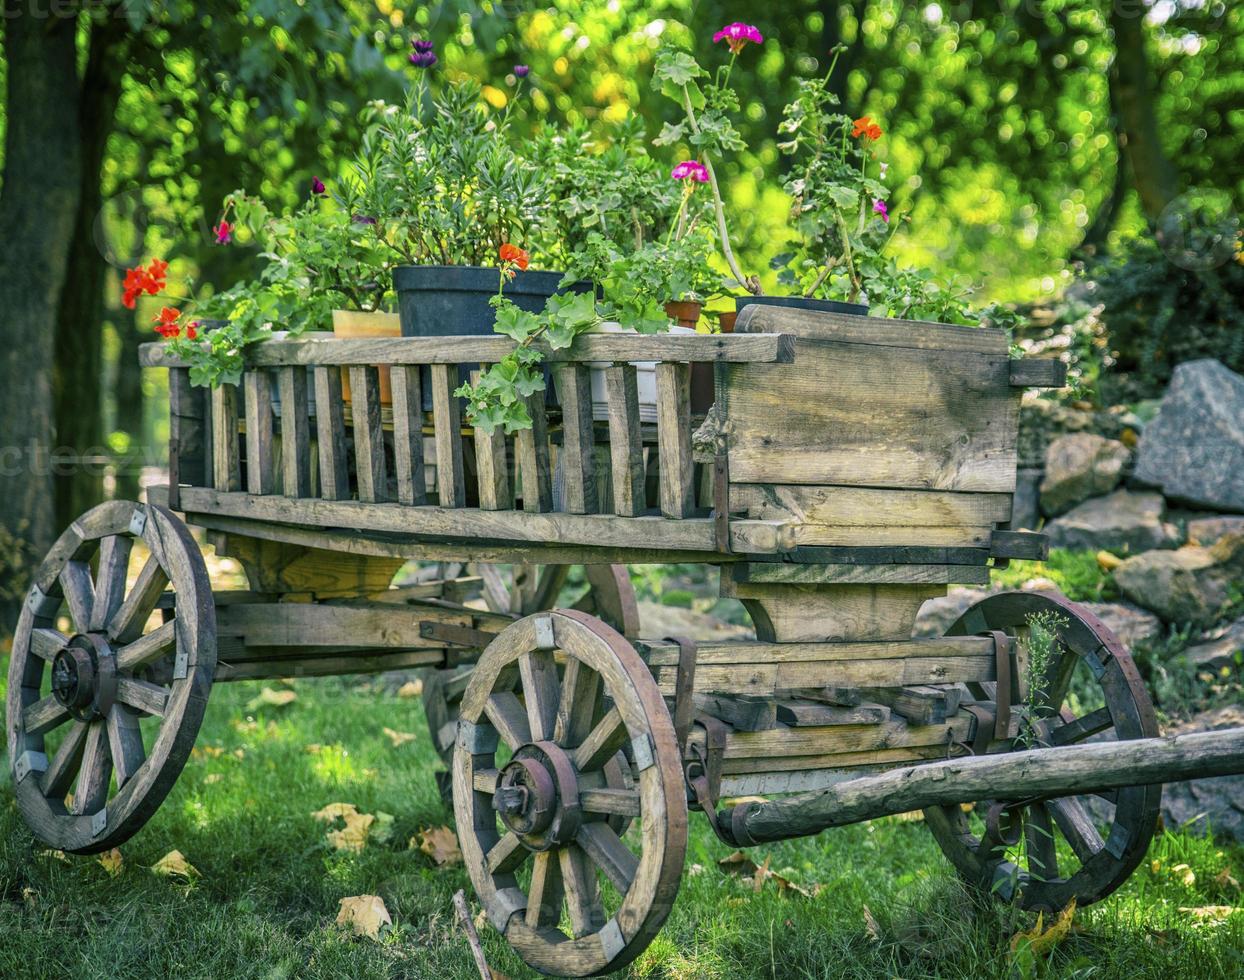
(41, 605)
(641, 749)
(181, 664)
(611, 939)
(99, 822)
(477, 739)
(1118, 840)
(508, 902)
(138, 522)
(461, 636)
(28, 762)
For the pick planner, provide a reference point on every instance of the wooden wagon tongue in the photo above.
(1018, 776)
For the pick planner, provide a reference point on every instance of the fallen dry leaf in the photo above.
(111, 860)
(741, 866)
(1210, 913)
(440, 844)
(1224, 880)
(175, 863)
(213, 777)
(314, 748)
(399, 738)
(870, 925)
(411, 689)
(59, 855)
(272, 699)
(1038, 941)
(353, 835)
(1107, 561)
(1186, 876)
(364, 914)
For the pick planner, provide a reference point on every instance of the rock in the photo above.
(1208, 530)
(937, 615)
(1219, 648)
(661, 620)
(1026, 502)
(1194, 450)
(1204, 805)
(1125, 523)
(1131, 624)
(1080, 466)
(1189, 585)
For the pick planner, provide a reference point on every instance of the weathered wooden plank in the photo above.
(916, 334)
(492, 464)
(226, 464)
(1025, 545)
(408, 435)
(757, 347)
(447, 423)
(368, 434)
(919, 705)
(329, 665)
(804, 574)
(341, 624)
(532, 449)
(1038, 372)
(674, 438)
(784, 740)
(626, 446)
(746, 714)
(189, 461)
(804, 713)
(662, 653)
(330, 429)
(295, 432)
(578, 465)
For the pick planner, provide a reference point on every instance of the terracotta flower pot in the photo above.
(355, 324)
(725, 320)
(685, 311)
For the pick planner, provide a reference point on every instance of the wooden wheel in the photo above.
(556, 699)
(102, 715)
(1043, 852)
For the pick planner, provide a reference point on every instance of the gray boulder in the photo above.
(1124, 523)
(1026, 503)
(937, 615)
(1208, 530)
(1080, 466)
(1131, 624)
(1219, 648)
(1188, 585)
(1202, 805)
(1194, 450)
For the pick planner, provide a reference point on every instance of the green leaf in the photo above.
(677, 67)
(670, 133)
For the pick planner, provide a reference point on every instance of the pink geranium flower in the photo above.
(224, 233)
(690, 170)
(737, 35)
(880, 208)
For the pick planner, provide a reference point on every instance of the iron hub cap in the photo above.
(538, 796)
(84, 676)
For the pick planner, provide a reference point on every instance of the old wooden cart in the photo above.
(850, 470)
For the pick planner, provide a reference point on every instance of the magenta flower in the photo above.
(737, 35)
(690, 170)
(224, 233)
(364, 219)
(317, 186)
(522, 71)
(880, 208)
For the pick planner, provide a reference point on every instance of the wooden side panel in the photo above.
(331, 435)
(295, 432)
(226, 462)
(368, 434)
(532, 448)
(492, 464)
(574, 390)
(189, 459)
(625, 442)
(260, 465)
(447, 422)
(408, 434)
(674, 438)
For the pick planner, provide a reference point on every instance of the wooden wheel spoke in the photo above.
(496, 592)
(485, 781)
(154, 645)
(146, 697)
(1079, 729)
(615, 802)
(46, 643)
(552, 578)
(65, 763)
(602, 742)
(577, 707)
(507, 855)
(583, 904)
(128, 621)
(1040, 843)
(545, 897)
(44, 715)
(91, 793)
(509, 718)
(607, 851)
(540, 692)
(114, 562)
(1077, 826)
(125, 742)
(1058, 680)
(75, 581)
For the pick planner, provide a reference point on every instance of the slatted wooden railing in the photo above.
(256, 461)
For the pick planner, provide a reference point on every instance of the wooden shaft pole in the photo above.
(1063, 771)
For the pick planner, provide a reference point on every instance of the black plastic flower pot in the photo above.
(800, 303)
(453, 300)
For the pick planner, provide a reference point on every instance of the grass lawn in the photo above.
(265, 901)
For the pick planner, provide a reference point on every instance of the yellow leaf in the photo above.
(59, 855)
(175, 863)
(1211, 913)
(272, 699)
(1040, 941)
(399, 738)
(353, 835)
(1186, 876)
(440, 844)
(411, 689)
(111, 860)
(333, 811)
(364, 914)
(1108, 562)
(213, 777)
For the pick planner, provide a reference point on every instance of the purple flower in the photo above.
(522, 71)
(224, 233)
(423, 59)
(880, 208)
(364, 219)
(317, 186)
(690, 170)
(737, 35)
(423, 47)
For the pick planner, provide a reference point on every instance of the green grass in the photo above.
(269, 888)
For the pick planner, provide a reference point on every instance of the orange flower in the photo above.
(166, 322)
(156, 273)
(864, 126)
(518, 256)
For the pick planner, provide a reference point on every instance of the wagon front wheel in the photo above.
(559, 702)
(105, 698)
(1077, 682)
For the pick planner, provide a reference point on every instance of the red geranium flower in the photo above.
(864, 126)
(513, 254)
(157, 273)
(166, 322)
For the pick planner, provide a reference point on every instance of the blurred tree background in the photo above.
(1025, 135)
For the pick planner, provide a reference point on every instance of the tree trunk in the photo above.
(77, 383)
(1108, 213)
(1131, 81)
(38, 202)
(131, 409)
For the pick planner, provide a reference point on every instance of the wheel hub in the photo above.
(537, 796)
(84, 676)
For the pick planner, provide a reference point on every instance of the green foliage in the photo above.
(1076, 573)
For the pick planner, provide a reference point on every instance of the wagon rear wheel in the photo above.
(105, 700)
(1041, 853)
(557, 699)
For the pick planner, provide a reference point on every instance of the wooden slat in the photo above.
(578, 466)
(295, 432)
(226, 466)
(492, 464)
(408, 435)
(447, 422)
(293, 624)
(783, 740)
(188, 460)
(879, 331)
(260, 469)
(763, 680)
(805, 574)
(532, 448)
(755, 348)
(1038, 372)
(368, 434)
(661, 653)
(330, 429)
(625, 443)
(674, 438)
(326, 664)
(1025, 545)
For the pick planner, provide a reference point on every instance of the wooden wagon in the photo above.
(849, 470)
